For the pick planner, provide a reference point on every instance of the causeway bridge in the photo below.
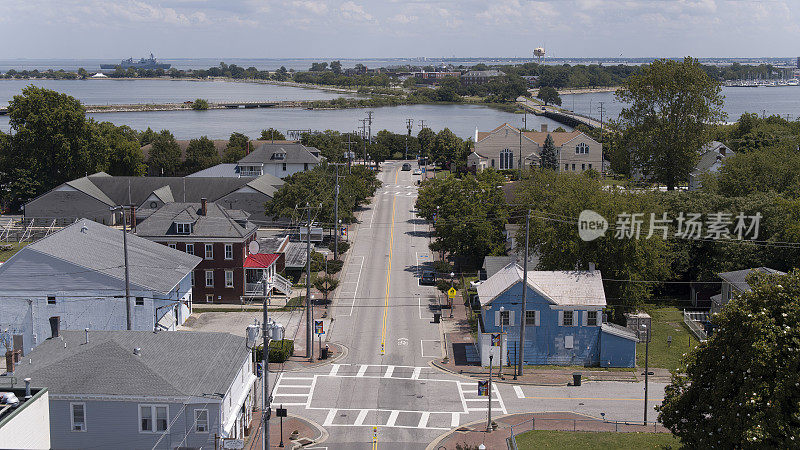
(565, 117)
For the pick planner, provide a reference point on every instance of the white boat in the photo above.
(793, 82)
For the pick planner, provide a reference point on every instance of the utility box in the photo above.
(639, 322)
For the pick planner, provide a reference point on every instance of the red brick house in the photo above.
(229, 272)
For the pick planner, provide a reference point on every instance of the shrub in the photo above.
(279, 351)
(335, 265)
(344, 246)
(200, 104)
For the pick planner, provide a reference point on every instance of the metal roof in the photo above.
(261, 260)
(564, 288)
(91, 247)
(170, 363)
(295, 153)
(738, 278)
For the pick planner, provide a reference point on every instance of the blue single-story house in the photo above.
(563, 323)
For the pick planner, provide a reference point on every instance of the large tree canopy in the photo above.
(740, 388)
(672, 105)
(201, 154)
(165, 154)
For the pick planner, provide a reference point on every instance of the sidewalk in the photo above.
(460, 345)
(307, 432)
(475, 433)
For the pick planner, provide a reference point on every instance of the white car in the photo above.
(417, 172)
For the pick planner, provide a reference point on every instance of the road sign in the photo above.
(232, 443)
(318, 327)
(483, 388)
(452, 293)
(344, 231)
(496, 340)
(280, 412)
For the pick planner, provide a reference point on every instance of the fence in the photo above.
(590, 425)
(18, 229)
(694, 320)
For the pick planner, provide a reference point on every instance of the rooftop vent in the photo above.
(84, 228)
(137, 351)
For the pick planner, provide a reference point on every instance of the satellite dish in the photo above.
(253, 247)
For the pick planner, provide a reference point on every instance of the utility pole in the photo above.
(489, 418)
(646, 369)
(128, 319)
(524, 126)
(336, 215)
(363, 138)
(369, 133)
(409, 126)
(309, 311)
(602, 158)
(266, 399)
(520, 355)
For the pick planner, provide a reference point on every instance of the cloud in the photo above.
(403, 19)
(316, 7)
(352, 11)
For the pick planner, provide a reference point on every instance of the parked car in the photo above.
(428, 278)
(406, 166)
(417, 172)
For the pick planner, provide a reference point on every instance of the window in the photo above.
(192, 277)
(581, 149)
(492, 163)
(566, 166)
(183, 228)
(78, 416)
(573, 167)
(284, 167)
(591, 318)
(190, 249)
(506, 160)
(530, 318)
(590, 166)
(228, 251)
(209, 278)
(209, 298)
(504, 318)
(172, 245)
(209, 251)
(305, 166)
(583, 166)
(153, 418)
(228, 278)
(201, 421)
(139, 301)
(567, 318)
(51, 300)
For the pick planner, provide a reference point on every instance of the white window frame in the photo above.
(531, 316)
(197, 421)
(153, 417)
(505, 318)
(192, 277)
(72, 416)
(207, 273)
(228, 247)
(51, 300)
(228, 278)
(183, 228)
(562, 318)
(188, 247)
(172, 245)
(139, 301)
(506, 159)
(209, 251)
(582, 149)
(586, 318)
(209, 298)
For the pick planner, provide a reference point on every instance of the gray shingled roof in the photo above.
(296, 153)
(217, 223)
(738, 277)
(171, 363)
(220, 170)
(710, 154)
(483, 73)
(100, 249)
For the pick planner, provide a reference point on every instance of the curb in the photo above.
(343, 354)
(323, 434)
(518, 382)
(432, 445)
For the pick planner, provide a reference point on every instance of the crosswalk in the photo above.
(392, 418)
(474, 403)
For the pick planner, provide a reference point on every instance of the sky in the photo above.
(74, 29)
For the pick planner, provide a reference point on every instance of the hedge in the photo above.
(344, 246)
(279, 351)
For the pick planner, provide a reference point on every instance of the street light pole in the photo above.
(489, 389)
(521, 353)
(267, 396)
(646, 369)
(309, 338)
(502, 332)
(128, 318)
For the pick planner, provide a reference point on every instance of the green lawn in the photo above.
(595, 440)
(667, 321)
(5, 254)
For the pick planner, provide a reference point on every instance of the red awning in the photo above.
(261, 260)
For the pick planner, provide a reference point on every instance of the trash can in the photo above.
(324, 353)
(576, 379)
(437, 317)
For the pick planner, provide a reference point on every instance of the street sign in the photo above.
(483, 388)
(233, 443)
(344, 231)
(496, 339)
(452, 293)
(318, 327)
(280, 412)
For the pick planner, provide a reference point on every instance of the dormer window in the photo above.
(279, 155)
(183, 227)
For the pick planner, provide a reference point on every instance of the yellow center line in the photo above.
(388, 273)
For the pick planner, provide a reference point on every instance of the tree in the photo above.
(318, 67)
(739, 389)
(201, 154)
(165, 154)
(336, 67)
(146, 136)
(549, 95)
(121, 145)
(448, 149)
(271, 134)
(200, 104)
(426, 136)
(326, 285)
(236, 148)
(671, 106)
(549, 154)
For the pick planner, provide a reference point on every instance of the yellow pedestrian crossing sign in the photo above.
(451, 293)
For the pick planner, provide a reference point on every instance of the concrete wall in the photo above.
(547, 342)
(115, 424)
(29, 428)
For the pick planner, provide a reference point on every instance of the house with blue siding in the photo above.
(563, 319)
(77, 274)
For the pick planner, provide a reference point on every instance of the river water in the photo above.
(219, 124)
(783, 101)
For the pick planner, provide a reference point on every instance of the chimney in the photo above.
(133, 218)
(544, 128)
(27, 388)
(203, 206)
(55, 325)
(591, 267)
(86, 332)
(10, 361)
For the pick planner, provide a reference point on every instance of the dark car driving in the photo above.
(406, 166)
(428, 278)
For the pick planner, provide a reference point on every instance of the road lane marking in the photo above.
(455, 419)
(392, 418)
(329, 419)
(518, 390)
(423, 419)
(361, 416)
(389, 372)
(334, 370)
(422, 347)
(388, 273)
(355, 291)
(417, 371)
(362, 370)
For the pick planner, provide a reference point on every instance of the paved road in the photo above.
(383, 316)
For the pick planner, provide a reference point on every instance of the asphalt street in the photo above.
(384, 389)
